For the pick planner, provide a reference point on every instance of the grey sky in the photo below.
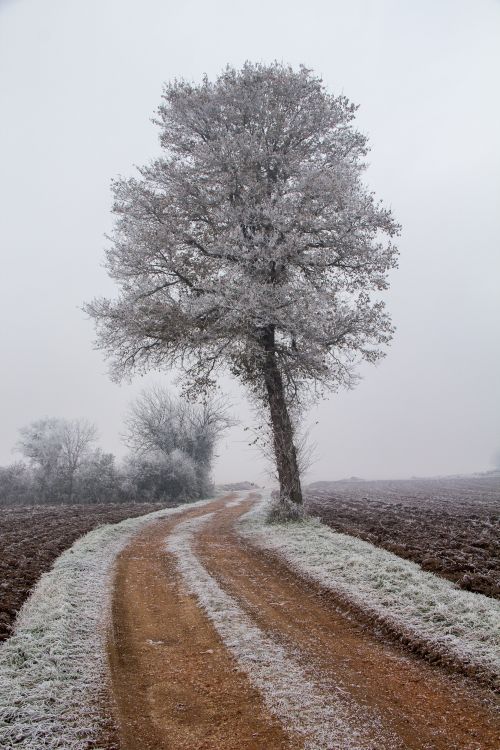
(79, 82)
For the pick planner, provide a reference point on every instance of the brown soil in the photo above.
(449, 526)
(176, 686)
(174, 683)
(32, 537)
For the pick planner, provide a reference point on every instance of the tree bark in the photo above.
(284, 447)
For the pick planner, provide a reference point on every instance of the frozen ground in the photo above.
(320, 711)
(31, 538)
(426, 611)
(450, 526)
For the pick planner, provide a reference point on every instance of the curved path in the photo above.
(215, 645)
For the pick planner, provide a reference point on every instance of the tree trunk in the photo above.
(284, 447)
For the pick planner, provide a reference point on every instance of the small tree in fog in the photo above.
(97, 480)
(56, 449)
(156, 477)
(172, 437)
(15, 484)
(251, 243)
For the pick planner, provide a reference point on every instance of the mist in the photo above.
(80, 83)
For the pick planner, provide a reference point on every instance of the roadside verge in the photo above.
(427, 613)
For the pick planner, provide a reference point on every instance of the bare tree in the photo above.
(57, 448)
(251, 243)
(77, 437)
(152, 423)
(159, 424)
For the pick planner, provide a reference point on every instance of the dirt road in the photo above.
(217, 646)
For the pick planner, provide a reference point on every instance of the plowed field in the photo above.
(32, 537)
(449, 526)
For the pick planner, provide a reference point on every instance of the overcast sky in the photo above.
(79, 82)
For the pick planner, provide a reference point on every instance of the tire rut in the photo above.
(177, 686)
(174, 684)
(423, 705)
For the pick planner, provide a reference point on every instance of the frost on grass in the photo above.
(52, 670)
(284, 510)
(428, 613)
(316, 709)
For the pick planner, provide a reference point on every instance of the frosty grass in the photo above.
(53, 669)
(461, 627)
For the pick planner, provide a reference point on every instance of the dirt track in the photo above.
(176, 685)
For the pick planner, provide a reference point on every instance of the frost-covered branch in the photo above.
(257, 208)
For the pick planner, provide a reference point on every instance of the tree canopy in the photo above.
(251, 242)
